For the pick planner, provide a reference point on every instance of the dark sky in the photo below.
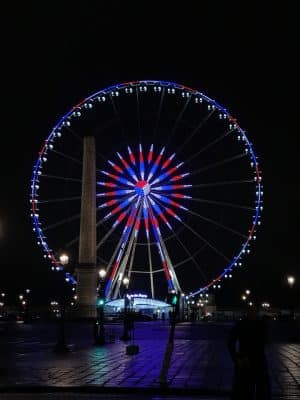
(244, 56)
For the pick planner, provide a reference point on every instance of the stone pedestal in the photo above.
(86, 292)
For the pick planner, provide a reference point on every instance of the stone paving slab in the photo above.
(197, 366)
(106, 396)
(203, 365)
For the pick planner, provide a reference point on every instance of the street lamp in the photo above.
(102, 273)
(61, 346)
(64, 259)
(99, 324)
(126, 325)
(291, 281)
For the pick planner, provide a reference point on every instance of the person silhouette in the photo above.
(246, 345)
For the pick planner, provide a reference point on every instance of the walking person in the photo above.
(246, 344)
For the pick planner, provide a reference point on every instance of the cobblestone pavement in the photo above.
(197, 366)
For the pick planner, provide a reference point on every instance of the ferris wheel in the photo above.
(179, 192)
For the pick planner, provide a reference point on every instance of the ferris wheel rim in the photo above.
(85, 104)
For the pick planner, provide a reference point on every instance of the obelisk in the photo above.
(86, 270)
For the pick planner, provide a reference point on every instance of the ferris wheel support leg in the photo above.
(86, 270)
(150, 268)
(170, 266)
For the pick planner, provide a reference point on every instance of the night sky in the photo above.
(55, 55)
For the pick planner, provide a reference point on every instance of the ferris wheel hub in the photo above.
(142, 188)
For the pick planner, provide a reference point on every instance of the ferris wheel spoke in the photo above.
(158, 114)
(189, 258)
(67, 157)
(192, 258)
(198, 127)
(121, 192)
(155, 165)
(120, 207)
(114, 226)
(227, 228)
(209, 145)
(116, 200)
(78, 137)
(107, 217)
(206, 241)
(117, 114)
(167, 175)
(60, 199)
(117, 178)
(170, 187)
(127, 167)
(178, 119)
(116, 167)
(168, 211)
(71, 242)
(221, 203)
(219, 163)
(223, 183)
(138, 114)
(167, 200)
(61, 222)
(61, 178)
(142, 163)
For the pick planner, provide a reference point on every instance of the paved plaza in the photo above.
(200, 363)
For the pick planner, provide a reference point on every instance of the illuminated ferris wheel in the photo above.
(179, 191)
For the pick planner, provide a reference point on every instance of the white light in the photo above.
(247, 291)
(291, 280)
(125, 281)
(102, 273)
(64, 259)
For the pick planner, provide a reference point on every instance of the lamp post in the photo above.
(61, 346)
(126, 326)
(291, 281)
(99, 323)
